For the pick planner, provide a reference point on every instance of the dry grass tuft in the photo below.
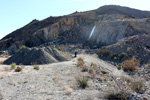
(116, 95)
(137, 85)
(84, 68)
(1, 62)
(91, 70)
(37, 67)
(18, 69)
(80, 62)
(131, 64)
(134, 83)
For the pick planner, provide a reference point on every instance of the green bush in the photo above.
(82, 81)
(13, 65)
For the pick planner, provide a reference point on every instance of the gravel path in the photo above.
(52, 82)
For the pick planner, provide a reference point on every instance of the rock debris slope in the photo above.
(38, 55)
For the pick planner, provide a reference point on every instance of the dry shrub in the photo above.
(80, 62)
(127, 79)
(137, 85)
(94, 66)
(18, 69)
(1, 62)
(84, 68)
(91, 70)
(105, 52)
(116, 95)
(36, 67)
(131, 64)
(134, 83)
(4, 55)
(120, 93)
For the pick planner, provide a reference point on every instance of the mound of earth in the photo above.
(42, 55)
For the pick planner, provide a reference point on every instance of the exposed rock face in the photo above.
(25, 34)
(137, 46)
(112, 24)
(51, 32)
(109, 32)
(43, 55)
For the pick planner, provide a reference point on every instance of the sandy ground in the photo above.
(53, 81)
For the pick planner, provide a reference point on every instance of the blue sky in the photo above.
(17, 13)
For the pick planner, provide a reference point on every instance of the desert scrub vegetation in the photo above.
(105, 52)
(137, 85)
(93, 69)
(18, 69)
(82, 81)
(116, 95)
(80, 62)
(1, 62)
(134, 83)
(37, 67)
(130, 65)
(13, 65)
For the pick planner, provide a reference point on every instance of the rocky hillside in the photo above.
(111, 22)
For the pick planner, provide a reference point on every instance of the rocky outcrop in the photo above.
(137, 46)
(109, 32)
(51, 32)
(24, 34)
(112, 24)
(41, 55)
